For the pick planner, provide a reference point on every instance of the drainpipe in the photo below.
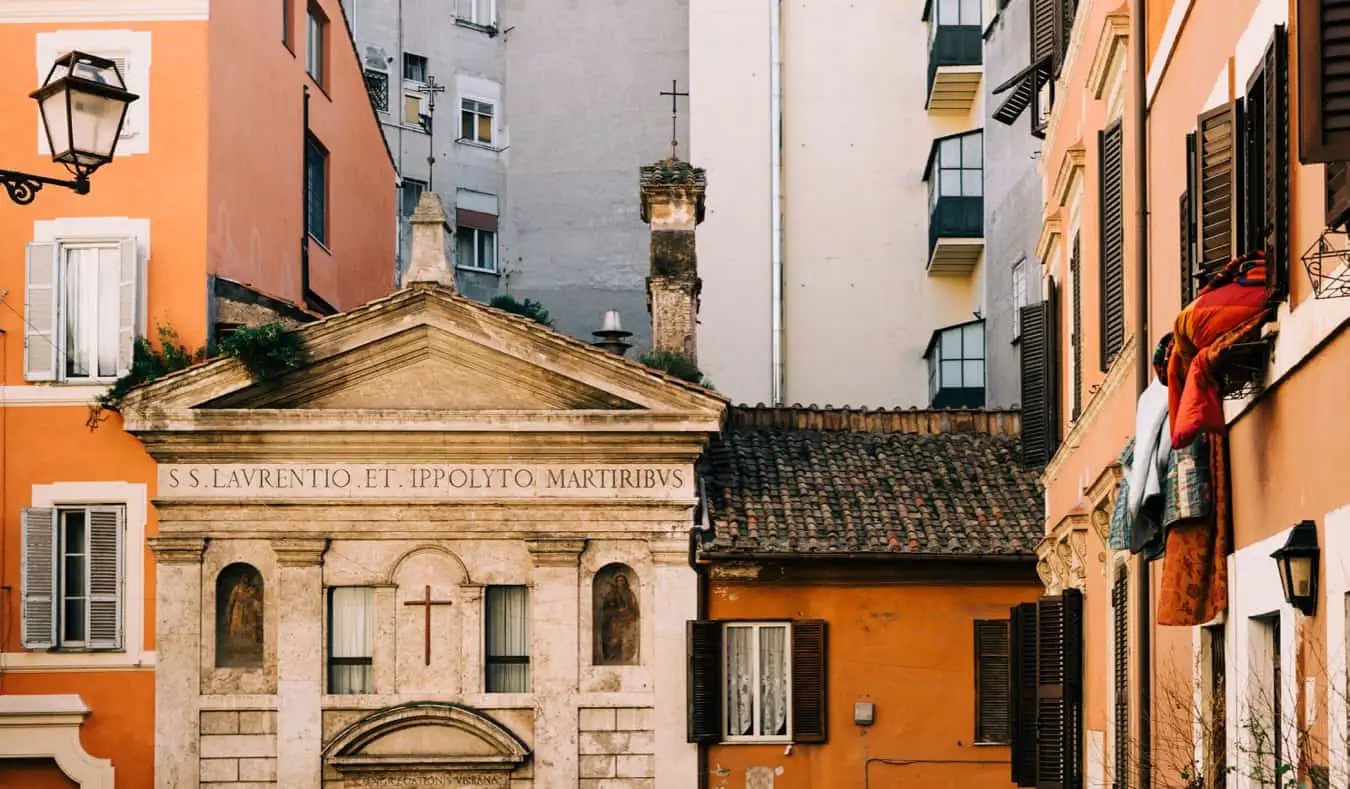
(1142, 358)
(702, 524)
(776, 189)
(304, 208)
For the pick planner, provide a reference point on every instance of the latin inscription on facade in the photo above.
(456, 780)
(421, 481)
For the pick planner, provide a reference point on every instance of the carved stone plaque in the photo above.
(496, 779)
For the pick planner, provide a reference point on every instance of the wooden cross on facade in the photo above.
(426, 602)
(674, 93)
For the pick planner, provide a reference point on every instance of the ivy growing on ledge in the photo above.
(147, 364)
(676, 364)
(266, 351)
(529, 308)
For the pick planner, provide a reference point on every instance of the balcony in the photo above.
(955, 177)
(955, 68)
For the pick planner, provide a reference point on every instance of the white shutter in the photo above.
(38, 577)
(105, 578)
(128, 297)
(40, 313)
(124, 68)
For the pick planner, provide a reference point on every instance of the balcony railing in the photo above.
(954, 67)
(955, 235)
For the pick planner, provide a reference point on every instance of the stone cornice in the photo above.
(1061, 558)
(556, 551)
(299, 552)
(1051, 230)
(1121, 369)
(177, 548)
(1111, 45)
(1070, 172)
(1101, 497)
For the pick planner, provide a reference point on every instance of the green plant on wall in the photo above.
(677, 365)
(266, 351)
(147, 364)
(529, 308)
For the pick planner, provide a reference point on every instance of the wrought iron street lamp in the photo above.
(83, 103)
(1297, 563)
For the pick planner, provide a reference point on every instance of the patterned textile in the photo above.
(1118, 539)
(1195, 568)
(1189, 488)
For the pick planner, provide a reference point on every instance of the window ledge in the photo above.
(756, 741)
(51, 393)
(489, 30)
(978, 744)
(486, 146)
(322, 245)
(316, 83)
(478, 270)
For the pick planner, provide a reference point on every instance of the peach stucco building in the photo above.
(197, 223)
(1240, 121)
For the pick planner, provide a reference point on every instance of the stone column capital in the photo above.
(670, 552)
(299, 552)
(471, 592)
(177, 548)
(556, 551)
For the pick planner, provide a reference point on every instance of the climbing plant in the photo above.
(529, 308)
(147, 364)
(266, 351)
(676, 364)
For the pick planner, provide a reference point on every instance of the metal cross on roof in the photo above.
(674, 93)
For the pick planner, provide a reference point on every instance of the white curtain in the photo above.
(508, 637)
(773, 680)
(352, 630)
(740, 673)
(92, 313)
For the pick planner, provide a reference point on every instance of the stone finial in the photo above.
(432, 258)
(672, 193)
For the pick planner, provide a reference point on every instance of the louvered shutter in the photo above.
(1064, 26)
(128, 298)
(1040, 375)
(704, 647)
(1267, 162)
(1338, 194)
(1111, 263)
(809, 697)
(1219, 183)
(105, 577)
(1189, 268)
(1022, 657)
(1059, 691)
(993, 682)
(38, 577)
(1076, 330)
(1324, 80)
(1121, 668)
(40, 313)
(1045, 35)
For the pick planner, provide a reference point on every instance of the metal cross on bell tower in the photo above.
(674, 93)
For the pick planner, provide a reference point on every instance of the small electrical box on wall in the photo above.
(864, 713)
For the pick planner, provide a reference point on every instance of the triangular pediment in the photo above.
(427, 349)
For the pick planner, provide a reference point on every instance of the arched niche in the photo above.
(239, 617)
(616, 616)
(428, 741)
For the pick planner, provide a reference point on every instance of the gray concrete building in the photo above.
(530, 119)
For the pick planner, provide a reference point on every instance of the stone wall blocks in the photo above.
(220, 722)
(596, 719)
(257, 722)
(219, 770)
(633, 719)
(224, 746)
(617, 783)
(258, 769)
(632, 766)
(597, 766)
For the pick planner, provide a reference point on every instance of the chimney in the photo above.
(672, 203)
(432, 257)
(611, 335)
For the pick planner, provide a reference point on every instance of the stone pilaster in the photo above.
(672, 203)
(676, 602)
(554, 649)
(471, 628)
(300, 667)
(178, 647)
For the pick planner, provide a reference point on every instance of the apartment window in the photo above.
(409, 193)
(479, 13)
(316, 44)
(476, 249)
(288, 24)
(1214, 700)
(956, 366)
(508, 639)
(757, 681)
(1019, 294)
(316, 189)
(959, 168)
(80, 309)
(377, 85)
(414, 67)
(475, 121)
(993, 722)
(351, 637)
(413, 103)
(72, 577)
(1265, 711)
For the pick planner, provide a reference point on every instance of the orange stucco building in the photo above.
(858, 571)
(1203, 675)
(197, 222)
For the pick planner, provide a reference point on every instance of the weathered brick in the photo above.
(596, 719)
(633, 719)
(224, 746)
(220, 770)
(596, 767)
(630, 766)
(257, 769)
(220, 722)
(257, 722)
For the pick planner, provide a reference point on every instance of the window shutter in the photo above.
(1059, 690)
(38, 562)
(809, 697)
(1218, 185)
(105, 578)
(127, 300)
(40, 313)
(1064, 27)
(1022, 656)
(704, 646)
(1267, 162)
(1076, 271)
(1045, 36)
(993, 684)
(1111, 265)
(1324, 80)
(1040, 369)
(1121, 663)
(1189, 269)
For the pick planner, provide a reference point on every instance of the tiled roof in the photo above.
(805, 480)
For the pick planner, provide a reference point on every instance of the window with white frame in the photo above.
(475, 121)
(1019, 294)
(480, 13)
(507, 638)
(316, 48)
(476, 248)
(758, 680)
(351, 639)
(71, 566)
(414, 67)
(80, 309)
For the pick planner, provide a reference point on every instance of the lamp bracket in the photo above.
(23, 187)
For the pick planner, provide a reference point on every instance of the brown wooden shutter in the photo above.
(1267, 162)
(1076, 271)
(1120, 596)
(1111, 262)
(1059, 691)
(809, 696)
(1324, 80)
(704, 648)
(1218, 186)
(1040, 375)
(1064, 25)
(1045, 35)
(1022, 656)
(1189, 269)
(993, 685)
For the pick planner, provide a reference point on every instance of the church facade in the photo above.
(450, 550)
